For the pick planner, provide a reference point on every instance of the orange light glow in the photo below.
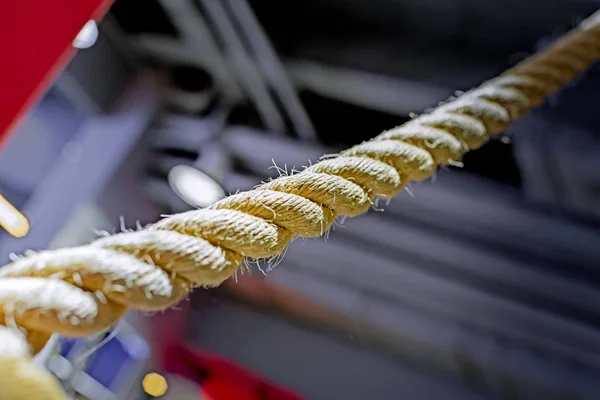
(12, 220)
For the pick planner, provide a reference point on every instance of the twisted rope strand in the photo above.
(82, 290)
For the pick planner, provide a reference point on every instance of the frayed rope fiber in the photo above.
(83, 290)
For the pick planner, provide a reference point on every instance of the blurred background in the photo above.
(483, 284)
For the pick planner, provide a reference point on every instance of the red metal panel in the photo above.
(36, 39)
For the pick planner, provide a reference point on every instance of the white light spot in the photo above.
(194, 186)
(87, 36)
(12, 220)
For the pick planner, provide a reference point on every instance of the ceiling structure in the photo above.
(463, 286)
(466, 269)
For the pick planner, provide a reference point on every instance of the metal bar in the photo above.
(494, 213)
(374, 91)
(248, 73)
(409, 333)
(404, 282)
(171, 51)
(462, 260)
(273, 68)
(199, 44)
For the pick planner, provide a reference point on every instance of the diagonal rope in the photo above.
(82, 290)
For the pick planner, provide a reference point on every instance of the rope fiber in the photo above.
(83, 290)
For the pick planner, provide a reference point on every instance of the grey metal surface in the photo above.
(504, 366)
(317, 366)
(453, 298)
(86, 165)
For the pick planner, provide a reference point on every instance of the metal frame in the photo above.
(255, 71)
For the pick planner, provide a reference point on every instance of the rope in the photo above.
(82, 290)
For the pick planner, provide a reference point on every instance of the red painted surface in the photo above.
(218, 377)
(36, 39)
